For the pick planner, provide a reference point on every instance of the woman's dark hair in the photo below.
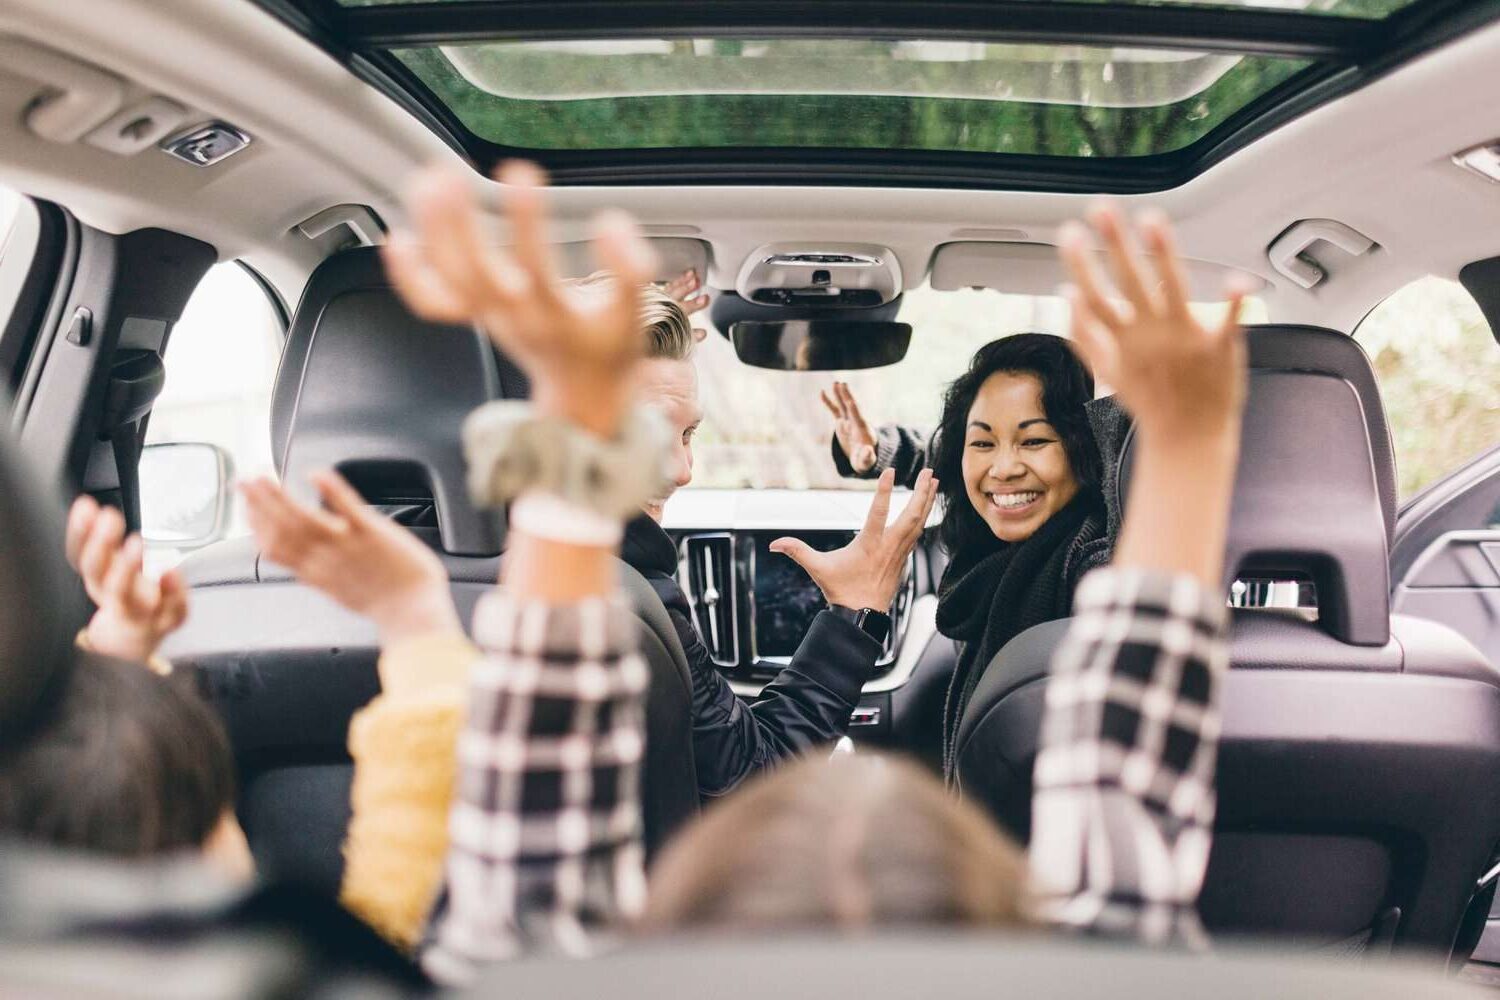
(122, 761)
(850, 843)
(1067, 387)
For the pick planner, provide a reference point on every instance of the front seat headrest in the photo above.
(1291, 347)
(1308, 500)
(40, 605)
(366, 387)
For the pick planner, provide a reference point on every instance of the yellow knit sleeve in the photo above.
(403, 744)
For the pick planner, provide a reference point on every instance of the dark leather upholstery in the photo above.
(1289, 347)
(367, 388)
(1359, 748)
(41, 607)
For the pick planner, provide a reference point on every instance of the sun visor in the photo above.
(1034, 269)
(674, 254)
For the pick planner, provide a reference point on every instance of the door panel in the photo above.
(1445, 567)
(1456, 581)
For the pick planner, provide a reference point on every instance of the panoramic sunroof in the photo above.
(1061, 95)
(842, 93)
(1337, 8)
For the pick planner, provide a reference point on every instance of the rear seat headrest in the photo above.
(366, 387)
(41, 607)
(1309, 496)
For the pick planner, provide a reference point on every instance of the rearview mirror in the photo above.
(184, 494)
(797, 345)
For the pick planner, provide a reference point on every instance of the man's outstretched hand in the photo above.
(868, 571)
(850, 428)
(578, 346)
(364, 561)
(135, 612)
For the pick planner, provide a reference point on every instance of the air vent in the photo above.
(1261, 593)
(708, 576)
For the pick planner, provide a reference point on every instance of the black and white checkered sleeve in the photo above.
(545, 834)
(1123, 806)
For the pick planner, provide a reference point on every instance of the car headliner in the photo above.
(1377, 159)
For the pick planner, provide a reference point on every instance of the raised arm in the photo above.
(1123, 806)
(135, 613)
(863, 452)
(545, 848)
(809, 703)
(402, 742)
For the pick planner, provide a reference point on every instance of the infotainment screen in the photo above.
(786, 599)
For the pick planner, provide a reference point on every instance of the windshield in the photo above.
(769, 430)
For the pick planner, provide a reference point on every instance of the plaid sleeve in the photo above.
(545, 836)
(1123, 806)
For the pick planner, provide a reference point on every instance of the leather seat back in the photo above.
(368, 389)
(1356, 793)
(41, 604)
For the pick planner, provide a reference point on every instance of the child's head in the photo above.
(126, 762)
(854, 842)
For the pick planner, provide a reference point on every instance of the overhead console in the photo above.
(73, 101)
(820, 275)
(1034, 269)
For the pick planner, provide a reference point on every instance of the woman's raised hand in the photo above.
(577, 345)
(1175, 374)
(850, 428)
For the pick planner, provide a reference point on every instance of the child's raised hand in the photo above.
(135, 613)
(364, 561)
(1175, 375)
(578, 347)
(1184, 383)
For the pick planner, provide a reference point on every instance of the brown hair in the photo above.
(857, 841)
(669, 334)
(123, 761)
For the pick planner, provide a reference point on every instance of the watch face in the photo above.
(875, 624)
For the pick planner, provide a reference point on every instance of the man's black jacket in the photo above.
(808, 704)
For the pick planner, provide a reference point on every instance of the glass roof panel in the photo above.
(1337, 8)
(831, 93)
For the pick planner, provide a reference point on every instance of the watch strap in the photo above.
(873, 623)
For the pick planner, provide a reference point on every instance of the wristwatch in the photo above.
(875, 624)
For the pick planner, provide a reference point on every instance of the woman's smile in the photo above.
(1014, 503)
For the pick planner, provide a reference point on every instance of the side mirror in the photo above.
(184, 494)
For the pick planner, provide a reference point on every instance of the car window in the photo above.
(768, 429)
(220, 363)
(19, 233)
(1439, 371)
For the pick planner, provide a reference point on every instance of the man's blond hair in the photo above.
(669, 335)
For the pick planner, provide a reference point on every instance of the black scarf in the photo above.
(992, 591)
